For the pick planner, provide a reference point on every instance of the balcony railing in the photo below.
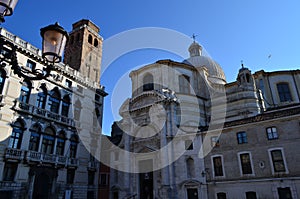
(44, 113)
(38, 157)
(33, 156)
(14, 154)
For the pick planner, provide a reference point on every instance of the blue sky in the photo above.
(230, 31)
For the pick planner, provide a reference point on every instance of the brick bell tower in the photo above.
(83, 52)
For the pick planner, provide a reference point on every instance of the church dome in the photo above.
(196, 59)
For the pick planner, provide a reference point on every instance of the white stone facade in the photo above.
(177, 103)
(43, 124)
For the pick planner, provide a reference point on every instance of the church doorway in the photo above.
(192, 193)
(146, 179)
(42, 187)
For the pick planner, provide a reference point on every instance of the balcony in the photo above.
(38, 157)
(39, 112)
(13, 154)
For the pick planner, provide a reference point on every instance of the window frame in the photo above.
(242, 172)
(213, 166)
(270, 135)
(284, 92)
(286, 171)
(242, 139)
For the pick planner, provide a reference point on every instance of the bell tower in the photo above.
(84, 50)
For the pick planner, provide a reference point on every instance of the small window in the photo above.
(277, 160)
(10, 170)
(251, 195)
(103, 179)
(184, 84)
(189, 145)
(95, 42)
(272, 133)
(90, 39)
(284, 193)
(25, 92)
(284, 92)
(241, 137)
(221, 195)
(148, 83)
(218, 166)
(72, 39)
(116, 156)
(68, 83)
(245, 163)
(30, 64)
(215, 141)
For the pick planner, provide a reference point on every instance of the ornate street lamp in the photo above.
(54, 41)
(6, 8)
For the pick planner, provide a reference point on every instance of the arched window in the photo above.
(284, 92)
(2, 80)
(41, 98)
(48, 141)
(35, 137)
(73, 146)
(16, 135)
(90, 39)
(65, 106)
(190, 168)
(148, 82)
(60, 145)
(25, 92)
(96, 42)
(77, 110)
(54, 101)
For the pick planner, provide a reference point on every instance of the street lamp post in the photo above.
(54, 41)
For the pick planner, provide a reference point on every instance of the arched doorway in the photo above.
(42, 187)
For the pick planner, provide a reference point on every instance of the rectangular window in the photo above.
(272, 133)
(103, 179)
(217, 165)
(261, 86)
(278, 162)
(68, 83)
(284, 193)
(10, 170)
(189, 145)
(241, 137)
(30, 64)
(184, 84)
(284, 92)
(250, 195)
(245, 163)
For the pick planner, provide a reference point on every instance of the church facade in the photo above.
(190, 134)
(47, 125)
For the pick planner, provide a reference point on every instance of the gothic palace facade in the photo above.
(43, 123)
